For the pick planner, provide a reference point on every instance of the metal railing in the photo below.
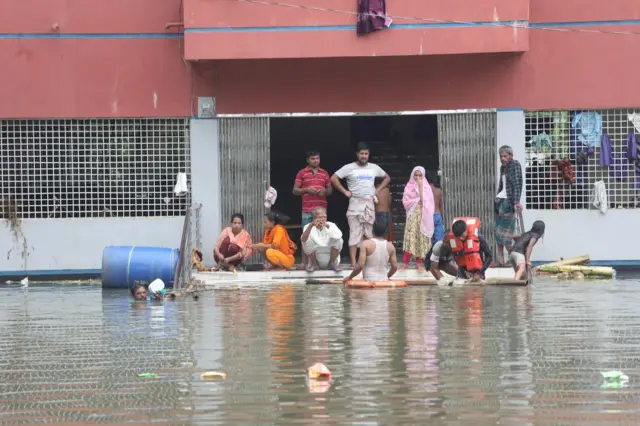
(190, 237)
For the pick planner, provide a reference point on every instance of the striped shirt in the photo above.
(306, 178)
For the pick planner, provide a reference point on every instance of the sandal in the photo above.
(311, 268)
(336, 268)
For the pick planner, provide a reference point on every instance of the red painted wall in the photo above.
(228, 29)
(117, 77)
(124, 70)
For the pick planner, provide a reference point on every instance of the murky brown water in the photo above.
(481, 356)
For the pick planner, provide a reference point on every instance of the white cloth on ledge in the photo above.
(599, 199)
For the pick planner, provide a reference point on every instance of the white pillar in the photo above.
(510, 131)
(205, 181)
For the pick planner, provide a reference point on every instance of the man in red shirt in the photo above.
(314, 185)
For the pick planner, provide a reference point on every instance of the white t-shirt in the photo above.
(440, 253)
(361, 179)
(503, 194)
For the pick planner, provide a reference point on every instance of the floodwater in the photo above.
(455, 356)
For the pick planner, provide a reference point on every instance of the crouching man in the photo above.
(322, 242)
(441, 259)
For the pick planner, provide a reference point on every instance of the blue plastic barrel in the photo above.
(123, 267)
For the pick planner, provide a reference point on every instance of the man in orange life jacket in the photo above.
(471, 250)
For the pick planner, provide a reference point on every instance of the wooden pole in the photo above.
(571, 261)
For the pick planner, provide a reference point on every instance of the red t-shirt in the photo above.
(307, 179)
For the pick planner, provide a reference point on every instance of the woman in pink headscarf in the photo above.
(418, 230)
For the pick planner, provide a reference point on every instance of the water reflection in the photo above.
(512, 356)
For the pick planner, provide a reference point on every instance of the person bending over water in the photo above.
(375, 256)
(233, 245)
(441, 258)
(277, 246)
(520, 256)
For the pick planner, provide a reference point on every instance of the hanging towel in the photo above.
(600, 196)
(181, 188)
(606, 153)
(372, 16)
(270, 197)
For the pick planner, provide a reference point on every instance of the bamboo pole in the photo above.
(579, 260)
(604, 271)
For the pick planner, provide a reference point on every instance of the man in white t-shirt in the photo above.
(360, 176)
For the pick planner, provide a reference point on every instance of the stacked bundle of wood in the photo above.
(576, 268)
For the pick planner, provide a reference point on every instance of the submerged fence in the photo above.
(191, 238)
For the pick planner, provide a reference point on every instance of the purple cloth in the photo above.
(606, 154)
(371, 16)
(631, 146)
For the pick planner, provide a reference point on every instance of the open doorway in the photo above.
(398, 143)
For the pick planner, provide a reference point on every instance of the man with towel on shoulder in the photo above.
(360, 176)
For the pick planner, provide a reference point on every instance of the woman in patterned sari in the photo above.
(419, 203)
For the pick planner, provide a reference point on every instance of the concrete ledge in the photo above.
(269, 277)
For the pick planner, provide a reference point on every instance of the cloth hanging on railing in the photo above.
(599, 199)
(372, 16)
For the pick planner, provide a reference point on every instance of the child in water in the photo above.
(520, 256)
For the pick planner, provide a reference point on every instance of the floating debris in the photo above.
(213, 375)
(318, 371)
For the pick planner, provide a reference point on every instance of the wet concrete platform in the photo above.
(222, 278)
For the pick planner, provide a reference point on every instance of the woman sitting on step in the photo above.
(277, 246)
(233, 246)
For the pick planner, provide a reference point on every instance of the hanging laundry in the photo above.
(635, 119)
(582, 157)
(541, 142)
(632, 146)
(372, 16)
(599, 198)
(588, 126)
(606, 153)
(567, 170)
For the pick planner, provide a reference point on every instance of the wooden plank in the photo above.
(579, 260)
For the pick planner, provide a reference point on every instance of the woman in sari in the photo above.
(507, 201)
(233, 246)
(419, 204)
(276, 246)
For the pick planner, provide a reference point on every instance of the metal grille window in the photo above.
(93, 167)
(567, 152)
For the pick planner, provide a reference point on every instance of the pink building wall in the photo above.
(74, 58)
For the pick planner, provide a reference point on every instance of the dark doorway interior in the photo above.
(398, 143)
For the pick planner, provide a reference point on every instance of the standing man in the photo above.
(383, 210)
(507, 201)
(314, 185)
(360, 176)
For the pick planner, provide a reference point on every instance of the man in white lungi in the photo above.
(322, 242)
(360, 176)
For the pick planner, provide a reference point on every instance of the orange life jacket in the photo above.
(467, 252)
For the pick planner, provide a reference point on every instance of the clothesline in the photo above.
(523, 25)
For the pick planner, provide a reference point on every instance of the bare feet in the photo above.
(421, 268)
(403, 267)
(215, 269)
(336, 268)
